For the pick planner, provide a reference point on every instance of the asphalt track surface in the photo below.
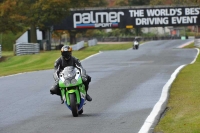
(125, 87)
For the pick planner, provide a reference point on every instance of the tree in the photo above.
(132, 2)
(40, 14)
(138, 2)
(10, 20)
(58, 34)
(175, 2)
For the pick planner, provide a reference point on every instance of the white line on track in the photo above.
(161, 104)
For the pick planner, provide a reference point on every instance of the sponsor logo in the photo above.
(97, 19)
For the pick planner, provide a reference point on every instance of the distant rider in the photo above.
(135, 44)
(68, 60)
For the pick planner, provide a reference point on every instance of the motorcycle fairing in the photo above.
(71, 82)
(80, 96)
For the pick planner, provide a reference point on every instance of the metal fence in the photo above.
(197, 42)
(0, 50)
(129, 39)
(78, 46)
(92, 42)
(26, 48)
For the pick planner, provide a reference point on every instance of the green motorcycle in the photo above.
(72, 89)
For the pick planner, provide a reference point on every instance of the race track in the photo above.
(125, 87)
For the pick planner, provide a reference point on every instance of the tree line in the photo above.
(20, 15)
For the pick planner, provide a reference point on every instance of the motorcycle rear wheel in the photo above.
(73, 105)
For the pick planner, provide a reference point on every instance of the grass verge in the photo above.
(183, 114)
(10, 64)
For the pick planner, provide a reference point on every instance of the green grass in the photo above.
(9, 38)
(190, 46)
(45, 60)
(184, 102)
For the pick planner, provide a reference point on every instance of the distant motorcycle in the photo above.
(135, 45)
(72, 89)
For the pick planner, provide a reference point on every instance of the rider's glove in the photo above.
(55, 76)
(84, 78)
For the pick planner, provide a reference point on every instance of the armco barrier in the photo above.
(92, 42)
(197, 42)
(78, 46)
(26, 48)
(0, 50)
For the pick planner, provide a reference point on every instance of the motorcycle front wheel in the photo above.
(73, 105)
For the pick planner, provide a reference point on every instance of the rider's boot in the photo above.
(55, 90)
(88, 98)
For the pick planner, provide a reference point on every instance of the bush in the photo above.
(8, 39)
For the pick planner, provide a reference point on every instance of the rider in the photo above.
(68, 60)
(136, 44)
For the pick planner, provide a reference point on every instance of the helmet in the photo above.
(66, 52)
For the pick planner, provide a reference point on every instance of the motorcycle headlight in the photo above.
(73, 81)
(67, 82)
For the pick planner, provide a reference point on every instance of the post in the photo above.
(184, 31)
(1, 38)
